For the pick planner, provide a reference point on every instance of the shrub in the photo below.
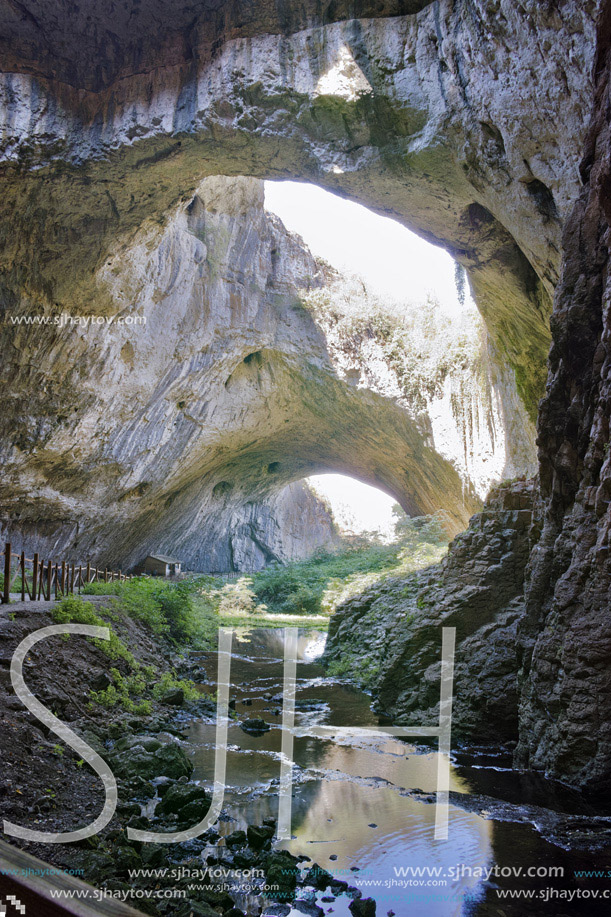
(318, 585)
(73, 610)
(173, 609)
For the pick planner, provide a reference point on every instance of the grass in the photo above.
(135, 688)
(319, 585)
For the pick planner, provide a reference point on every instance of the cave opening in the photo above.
(358, 509)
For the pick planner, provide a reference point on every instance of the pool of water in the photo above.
(354, 811)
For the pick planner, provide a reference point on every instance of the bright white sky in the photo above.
(395, 263)
(392, 260)
(357, 507)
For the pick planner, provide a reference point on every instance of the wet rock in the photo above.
(260, 835)
(244, 858)
(281, 869)
(478, 588)
(148, 743)
(255, 726)
(127, 809)
(153, 855)
(101, 681)
(174, 698)
(363, 907)
(310, 908)
(137, 788)
(93, 739)
(236, 838)
(97, 866)
(126, 859)
(318, 877)
(162, 785)
(118, 729)
(167, 761)
(184, 800)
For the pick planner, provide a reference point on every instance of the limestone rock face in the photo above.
(181, 424)
(443, 370)
(392, 632)
(566, 636)
(464, 120)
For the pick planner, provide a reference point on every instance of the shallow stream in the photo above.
(354, 810)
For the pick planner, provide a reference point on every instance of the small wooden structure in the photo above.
(161, 565)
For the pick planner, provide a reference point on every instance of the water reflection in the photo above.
(351, 811)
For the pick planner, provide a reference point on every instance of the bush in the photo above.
(167, 608)
(73, 610)
(318, 585)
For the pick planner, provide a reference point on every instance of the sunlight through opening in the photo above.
(393, 261)
(358, 508)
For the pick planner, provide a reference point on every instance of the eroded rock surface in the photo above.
(465, 120)
(185, 425)
(390, 636)
(566, 637)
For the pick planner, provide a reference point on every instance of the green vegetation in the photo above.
(73, 610)
(317, 586)
(189, 612)
(125, 692)
(135, 692)
(177, 610)
(134, 689)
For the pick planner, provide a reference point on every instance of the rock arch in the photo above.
(463, 120)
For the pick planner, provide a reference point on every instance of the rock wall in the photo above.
(443, 370)
(178, 424)
(566, 638)
(464, 120)
(555, 653)
(390, 636)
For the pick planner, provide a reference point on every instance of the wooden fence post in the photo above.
(59, 580)
(6, 596)
(34, 578)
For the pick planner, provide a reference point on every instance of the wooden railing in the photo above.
(39, 578)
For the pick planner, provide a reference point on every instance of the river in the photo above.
(355, 813)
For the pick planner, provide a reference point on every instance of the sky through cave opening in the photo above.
(406, 275)
(358, 508)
